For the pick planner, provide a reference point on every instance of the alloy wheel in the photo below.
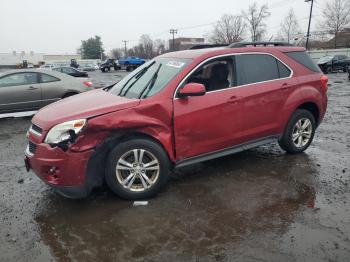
(302, 132)
(137, 170)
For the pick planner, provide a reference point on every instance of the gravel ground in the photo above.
(258, 205)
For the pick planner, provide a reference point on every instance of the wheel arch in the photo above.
(70, 93)
(313, 109)
(95, 172)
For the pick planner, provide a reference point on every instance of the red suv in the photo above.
(175, 110)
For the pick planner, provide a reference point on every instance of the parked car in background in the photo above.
(176, 110)
(47, 66)
(71, 71)
(87, 67)
(131, 63)
(332, 63)
(31, 89)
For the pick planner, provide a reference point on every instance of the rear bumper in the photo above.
(64, 171)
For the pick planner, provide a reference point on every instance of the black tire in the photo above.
(114, 177)
(286, 141)
(329, 69)
(345, 69)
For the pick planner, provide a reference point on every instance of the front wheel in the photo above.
(137, 169)
(299, 132)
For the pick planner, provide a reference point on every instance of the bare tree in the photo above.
(229, 29)
(146, 44)
(289, 26)
(336, 16)
(116, 53)
(159, 47)
(256, 17)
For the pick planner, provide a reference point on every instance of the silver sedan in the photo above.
(31, 89)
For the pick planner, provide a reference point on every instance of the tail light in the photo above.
(324, 83)
(88, 83)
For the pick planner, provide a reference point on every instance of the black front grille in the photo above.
(31, 147)
(37, 128)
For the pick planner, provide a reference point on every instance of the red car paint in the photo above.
(185, 127)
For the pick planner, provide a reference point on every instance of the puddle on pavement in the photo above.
(206, 210)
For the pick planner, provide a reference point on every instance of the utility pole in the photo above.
(173, 32)
(125, 42)
(308, 29)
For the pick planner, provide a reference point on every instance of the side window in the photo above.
(67, 70)
(284, 71)
(214, 75)
(19, 79)
(48, 78)
(254, 68)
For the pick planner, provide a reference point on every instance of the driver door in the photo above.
(211, 122)
(20, 92)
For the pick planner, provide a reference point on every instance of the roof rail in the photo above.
(247, 44)
(202, 46)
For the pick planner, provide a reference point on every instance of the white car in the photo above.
(47, 66)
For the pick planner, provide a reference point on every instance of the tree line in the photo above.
(230, 28)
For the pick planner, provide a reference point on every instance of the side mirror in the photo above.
(192, 89)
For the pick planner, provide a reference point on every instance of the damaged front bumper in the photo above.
(64, 171)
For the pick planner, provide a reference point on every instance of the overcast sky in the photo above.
(58, 26)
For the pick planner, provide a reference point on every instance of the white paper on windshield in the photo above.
(175, 64)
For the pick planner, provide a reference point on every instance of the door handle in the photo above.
(233, 99)
(32, 88)
(285, 86)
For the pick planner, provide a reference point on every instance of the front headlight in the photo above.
(65, 131)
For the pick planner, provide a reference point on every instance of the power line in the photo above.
(308, 28)
(125, 42)
(173, 32)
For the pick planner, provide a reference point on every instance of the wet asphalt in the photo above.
(258, 205)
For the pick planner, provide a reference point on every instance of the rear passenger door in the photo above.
(52, 89)
(263, 85)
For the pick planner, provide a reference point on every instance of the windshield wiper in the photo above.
(137, 77)
(151, 83)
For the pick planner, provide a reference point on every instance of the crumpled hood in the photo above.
(85, 105)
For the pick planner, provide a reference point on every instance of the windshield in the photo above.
(325, 59)
(150, 78)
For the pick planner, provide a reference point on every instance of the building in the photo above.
(183, 43)
(11, 60)
(343, 40)
(15, 59)
(48, 58)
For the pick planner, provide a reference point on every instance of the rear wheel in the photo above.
(137, 169)
(299, 133)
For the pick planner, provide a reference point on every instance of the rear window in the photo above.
(48, 78)
(303, 58)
